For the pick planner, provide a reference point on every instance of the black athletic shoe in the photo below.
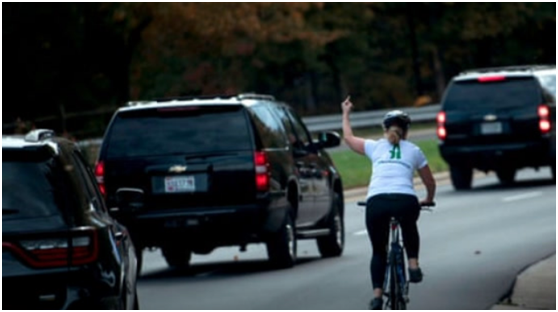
(415, 275)
(376, 304)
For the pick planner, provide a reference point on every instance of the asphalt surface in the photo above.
(472, 248)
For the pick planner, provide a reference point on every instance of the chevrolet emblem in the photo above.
(177, 169)
(490, 117)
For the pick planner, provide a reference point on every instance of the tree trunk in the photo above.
(414, 49)
(310, 90)
(438, 73)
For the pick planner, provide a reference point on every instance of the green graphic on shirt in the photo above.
(395, 152)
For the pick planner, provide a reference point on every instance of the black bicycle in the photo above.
(396, 285)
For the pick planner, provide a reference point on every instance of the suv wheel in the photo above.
(332, 244)
(139, 258)
(281, 246)
(506, 176)
(461, 177)
(177, 257)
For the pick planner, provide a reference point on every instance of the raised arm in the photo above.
(429, 182)
(355, 143)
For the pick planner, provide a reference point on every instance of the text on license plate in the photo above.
(491, 128)
(180, 184)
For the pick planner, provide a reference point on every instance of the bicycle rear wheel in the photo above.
(396, 283)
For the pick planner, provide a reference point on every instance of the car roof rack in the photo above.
(507, 68)
(255, 96)
(38, 135)
(194, 97)
(241, 96)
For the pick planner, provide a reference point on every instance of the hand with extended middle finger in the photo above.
(347, 105)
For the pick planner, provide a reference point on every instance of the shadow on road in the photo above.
(220, 269)
(521, 184)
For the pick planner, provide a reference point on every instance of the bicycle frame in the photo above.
(396, 286)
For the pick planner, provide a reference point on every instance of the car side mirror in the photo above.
(329, 139)
(129, 199)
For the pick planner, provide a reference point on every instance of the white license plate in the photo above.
(180, 184)
(491, 128)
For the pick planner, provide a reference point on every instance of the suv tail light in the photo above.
(544, 118)
(262, 171)
(441, 129)
(55, 251)
(100, 175)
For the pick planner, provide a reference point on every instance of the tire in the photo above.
(393, 289)
(136, 302)
(332, 244)
(506, 176)
(177, 257)
(281, 246)
(397, 302)
(139, 258)
(461, 177)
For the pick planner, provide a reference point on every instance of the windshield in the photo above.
(182, 130)
(470, 95)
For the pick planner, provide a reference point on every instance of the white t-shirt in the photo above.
(393, 166)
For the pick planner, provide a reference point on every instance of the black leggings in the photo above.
(379, 210)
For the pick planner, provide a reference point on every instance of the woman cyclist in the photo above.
(391, 192)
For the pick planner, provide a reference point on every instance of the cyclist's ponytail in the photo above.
(394, 134)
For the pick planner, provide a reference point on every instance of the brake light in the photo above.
(100, 175)
(491, 78)
(262, 171)
(55, 251)
(544, 121)
(441, 129)
(543, 111)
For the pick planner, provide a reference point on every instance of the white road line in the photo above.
(363, 232)
(522, 196)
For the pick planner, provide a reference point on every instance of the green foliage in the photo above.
(76, 57)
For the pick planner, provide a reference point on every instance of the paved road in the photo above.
(473, 246)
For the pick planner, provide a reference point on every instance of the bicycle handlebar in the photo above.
(425, 205)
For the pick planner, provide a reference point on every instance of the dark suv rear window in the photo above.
(179, 130)
(30, 187)
(471, 95)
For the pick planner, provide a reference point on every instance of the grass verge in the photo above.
(356, 169)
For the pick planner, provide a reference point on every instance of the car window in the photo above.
(287, 124)
(269, 127)
(31, 186)
(175, 131)
(86, 182)
(549, 82)
(299, 128)
(471, 95)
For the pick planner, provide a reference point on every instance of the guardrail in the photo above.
(369, 118)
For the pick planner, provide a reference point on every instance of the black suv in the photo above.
(60, 247)
(500, 119)
(222, 171)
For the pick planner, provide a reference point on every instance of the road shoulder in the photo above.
(534, 288)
